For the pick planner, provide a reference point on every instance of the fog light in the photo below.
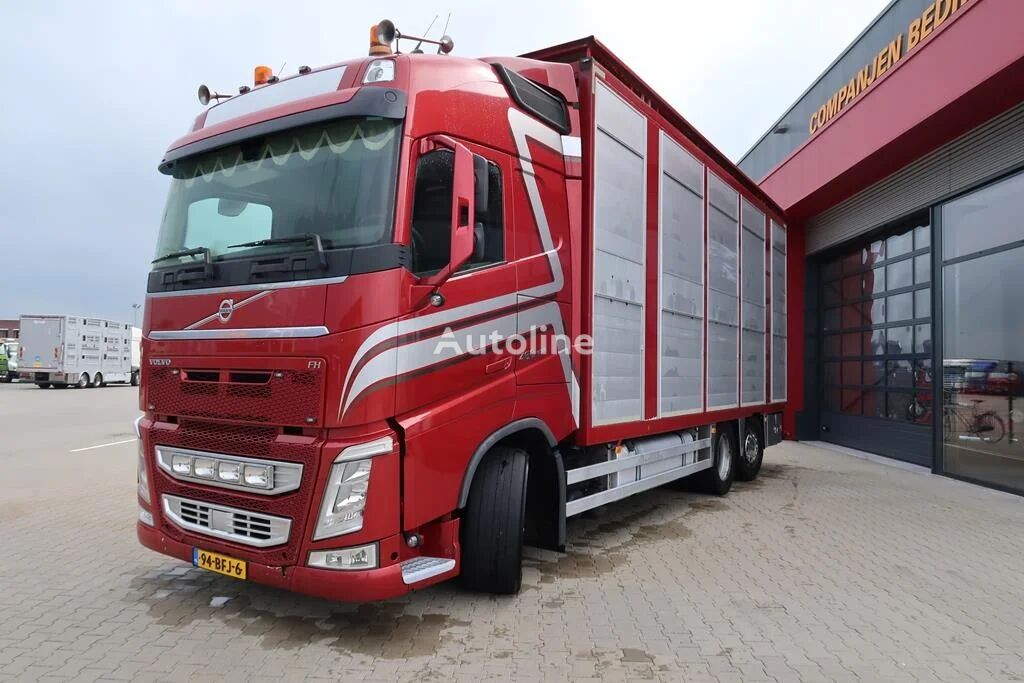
(181, 464)
(145, 516)
(204, 468)
(347, 559)
(229, 471)
(257, 475)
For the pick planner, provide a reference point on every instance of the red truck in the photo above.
(410, 312)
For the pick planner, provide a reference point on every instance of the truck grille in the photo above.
(245, 442)
(290, 395)
(227, 523)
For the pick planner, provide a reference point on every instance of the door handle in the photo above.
(498, 366)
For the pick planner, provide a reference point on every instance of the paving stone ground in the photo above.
(826, 568)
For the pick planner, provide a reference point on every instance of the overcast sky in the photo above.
(94, 92)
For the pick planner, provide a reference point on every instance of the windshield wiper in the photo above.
(188, 272)
(196, 251)
(310, 238)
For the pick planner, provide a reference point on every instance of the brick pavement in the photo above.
(826, 568)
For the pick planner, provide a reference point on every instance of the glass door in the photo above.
(983, 335)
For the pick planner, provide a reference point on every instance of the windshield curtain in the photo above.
(335, 179)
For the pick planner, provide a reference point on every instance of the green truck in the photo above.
(5, 363)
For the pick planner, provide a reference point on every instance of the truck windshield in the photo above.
(333, 179)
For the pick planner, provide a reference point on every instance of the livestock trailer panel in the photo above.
(684, 258)
(64, 349)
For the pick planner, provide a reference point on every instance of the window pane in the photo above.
(874, 253)
(874, 403)
(897, 245)
(830, 320)
(852, 288)
(851, 372)
(900, 274)
(899, 340)
(987, 218)
(849, 401)
(922, 269)
(832, 346)
(922, 373)
(922, 237)
(874, 281)
(876, 312)
(923, 339)
(923, 303)
(853, 316)
(874, 373)
(851, 344)
(900, 373)
(983, 303)
(900, 307)
(832, 373)
(876, 343)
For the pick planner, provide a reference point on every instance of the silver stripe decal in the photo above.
(214, 316)
(572, 146)
(242, 333)
(397, 361)
(252, 288)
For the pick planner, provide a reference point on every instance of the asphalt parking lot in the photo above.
(826, 568)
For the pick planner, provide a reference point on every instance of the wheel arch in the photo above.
(525, 433)
(545, 504)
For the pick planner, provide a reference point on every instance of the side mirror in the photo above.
(463, 209)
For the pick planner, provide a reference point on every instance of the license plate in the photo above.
(215, 562)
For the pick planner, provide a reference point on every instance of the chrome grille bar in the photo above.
(227, 523)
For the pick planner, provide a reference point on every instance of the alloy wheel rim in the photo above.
(724, 458)
(750, 447)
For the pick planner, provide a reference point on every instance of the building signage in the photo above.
(920, 28)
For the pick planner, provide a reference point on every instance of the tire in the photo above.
(717, 480)
(750, 454)
(493, 523)
(97, 381)
(83, 381)
(991, 425)
(135, 379)
(43, 385)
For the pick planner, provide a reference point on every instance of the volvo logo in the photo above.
(226, 308)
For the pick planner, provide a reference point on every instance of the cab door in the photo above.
(455, 381)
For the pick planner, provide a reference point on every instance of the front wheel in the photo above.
(43, 385)
(83, 380)
(493, 523)
(717, 479)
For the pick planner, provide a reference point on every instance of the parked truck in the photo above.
(12, 346)
(410, 312)
(5, 362)
(78, 351)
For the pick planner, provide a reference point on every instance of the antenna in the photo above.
(425, 33)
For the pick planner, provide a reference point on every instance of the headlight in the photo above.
(142, 474)
(341, 511)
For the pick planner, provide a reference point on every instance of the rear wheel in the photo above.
(83, 380)
(751, 452)
(97, 381)
(43, 385)
(718, 478)
(493, 523)
(135, 378)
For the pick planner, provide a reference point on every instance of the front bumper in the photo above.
(346, 586)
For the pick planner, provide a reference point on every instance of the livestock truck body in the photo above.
(411, 312)
(78, 351)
